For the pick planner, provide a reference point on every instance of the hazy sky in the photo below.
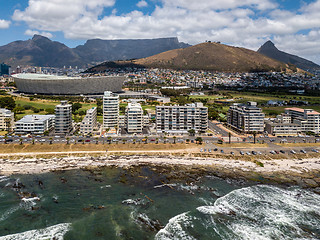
(293, 25)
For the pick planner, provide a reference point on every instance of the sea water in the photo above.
(111, 203)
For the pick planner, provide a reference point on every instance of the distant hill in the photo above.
(270, 50)
(206, 56)
(41, 51)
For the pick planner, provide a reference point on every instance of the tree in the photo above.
(7, 102)
(157, 140)
(8, 124)
(124, 141)
(50, 142)
(67, 140)
(76, 106)
(229, 133)
(49, 110)
(191, 132)
(174, 139)
(188, 140)
(165, 140)
(109, 139)
(18, 109)
(199, 140)
(20, 141)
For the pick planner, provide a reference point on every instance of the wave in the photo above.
(259, 212)
(55, 232)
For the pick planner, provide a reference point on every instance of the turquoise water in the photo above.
(114, 203)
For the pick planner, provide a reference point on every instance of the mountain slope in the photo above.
(270, 50)
(212, 56)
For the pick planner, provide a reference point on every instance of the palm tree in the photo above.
(50, 142)
(20, 141)
(5, 139)
(188, 140)
(174, 139)
(109, 139)
(229, 133)
(134, 141)
(165, 139)
(146, 137)
(254, 137)
(67, 140)
(124, 141)
(157, 140)
(8, 124)
(97, 140)
(32, 141)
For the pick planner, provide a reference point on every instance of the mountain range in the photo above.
(161, 52)
(41, 51)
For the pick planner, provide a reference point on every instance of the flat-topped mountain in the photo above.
(206, 56)
(270, 50)
(41, 51)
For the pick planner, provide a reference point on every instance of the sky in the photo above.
(293, 25)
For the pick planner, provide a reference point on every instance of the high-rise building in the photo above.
(6, 119)
(110, 110)
(4, 69)
(246, 117)
(63, 121)
(134, 118)
(35, 124)
(89, 122)
(181, 119)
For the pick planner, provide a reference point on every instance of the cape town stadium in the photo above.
(63, 85)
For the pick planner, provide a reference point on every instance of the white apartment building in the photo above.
(181, 119)
(35, 124)
(246, 117)
(6, 119)
(134, 118)
(282, 126)
(308, 119)
(110, 110)
(63, 121)
(89, 122)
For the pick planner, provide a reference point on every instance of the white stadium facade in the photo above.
(63, 85)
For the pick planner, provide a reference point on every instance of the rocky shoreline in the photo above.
(301, 172)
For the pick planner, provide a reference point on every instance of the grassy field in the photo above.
(45, 147)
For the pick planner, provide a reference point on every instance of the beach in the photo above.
(295, 170)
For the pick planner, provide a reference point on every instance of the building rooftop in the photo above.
(35, 118)
(5, 111)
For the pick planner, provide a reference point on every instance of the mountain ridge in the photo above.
(269, 49)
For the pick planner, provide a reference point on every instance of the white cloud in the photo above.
(30, 32)
(142, 3)
(4, 24)
(247, 23)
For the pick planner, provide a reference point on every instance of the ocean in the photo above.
(146, 203)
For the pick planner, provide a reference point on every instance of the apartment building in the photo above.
(63, 120)
(181, 119)
(89, 122)
(246, 117)
(308, 119)
(6, 119)
(110, 110)
(134, 118)
(282, 126)
(35, 124)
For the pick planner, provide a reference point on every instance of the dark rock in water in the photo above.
(63, 180)
(150, 224)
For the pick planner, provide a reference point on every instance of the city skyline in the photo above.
(294, 26)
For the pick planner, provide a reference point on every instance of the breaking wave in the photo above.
(258, 212)
(55, 232)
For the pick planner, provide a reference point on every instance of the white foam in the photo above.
(55, 232)
(174, 229)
